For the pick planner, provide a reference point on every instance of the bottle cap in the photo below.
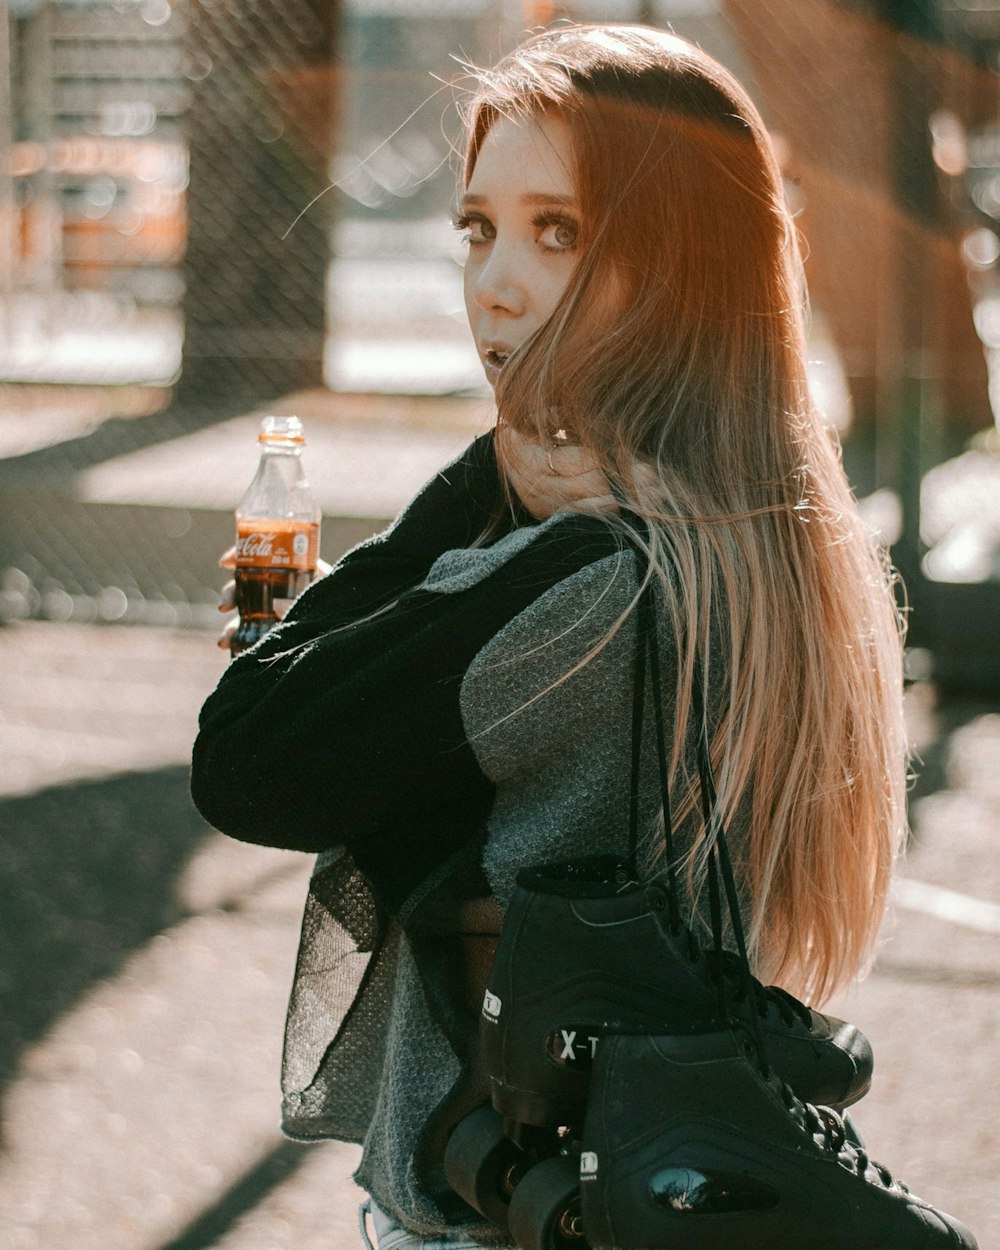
(281, 430)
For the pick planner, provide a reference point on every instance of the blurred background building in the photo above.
(211, 205)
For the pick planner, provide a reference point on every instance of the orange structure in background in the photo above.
(894, 289)
(119, 205)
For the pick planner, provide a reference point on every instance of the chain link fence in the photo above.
(214, 207)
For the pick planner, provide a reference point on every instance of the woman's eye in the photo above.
(477, 229)
(558, 235)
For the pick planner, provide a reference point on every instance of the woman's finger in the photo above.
(227, 596)
(229, 629)
(556, 478)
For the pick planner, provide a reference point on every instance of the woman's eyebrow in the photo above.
(530, 198)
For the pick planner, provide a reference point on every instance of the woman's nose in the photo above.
(497, 285)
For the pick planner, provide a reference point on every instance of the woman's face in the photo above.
(522, 223)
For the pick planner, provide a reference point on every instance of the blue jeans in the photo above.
(391, 1236)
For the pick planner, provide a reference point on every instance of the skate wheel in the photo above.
(545, 1208)
(482, 1164)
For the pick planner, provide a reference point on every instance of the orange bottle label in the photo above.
(263, 544)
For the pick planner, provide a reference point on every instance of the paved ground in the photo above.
(151, 958)
(148, 959)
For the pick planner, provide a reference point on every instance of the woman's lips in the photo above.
(494, 359)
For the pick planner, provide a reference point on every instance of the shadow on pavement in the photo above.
(58, 463)
(243, 1195)
(87, 876)
(58, 548)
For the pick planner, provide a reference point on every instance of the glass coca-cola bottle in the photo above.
(277, 532)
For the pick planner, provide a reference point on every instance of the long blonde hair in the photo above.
(695, 402)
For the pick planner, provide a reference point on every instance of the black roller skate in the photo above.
(585, 951)
(689, 1145)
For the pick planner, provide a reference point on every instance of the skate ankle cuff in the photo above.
(598, 876)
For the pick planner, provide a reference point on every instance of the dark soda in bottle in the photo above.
(277, 532)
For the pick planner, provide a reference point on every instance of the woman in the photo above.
(452, 704)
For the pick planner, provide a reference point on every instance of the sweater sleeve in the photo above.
(452, 510)
(339, 726)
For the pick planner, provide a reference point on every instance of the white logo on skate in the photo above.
(491, 1006)
(569, 1044)
(588, 1165)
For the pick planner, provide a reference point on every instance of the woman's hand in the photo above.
(558, 477)
(227, 596)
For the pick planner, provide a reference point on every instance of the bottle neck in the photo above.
(283, 449)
